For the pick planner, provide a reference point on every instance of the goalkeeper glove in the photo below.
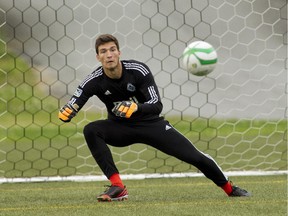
(125, 109)
(67, 112)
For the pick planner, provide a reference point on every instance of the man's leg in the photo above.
(95, 138)
(164, 137)
(97, 134)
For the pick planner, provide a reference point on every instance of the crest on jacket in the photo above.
(131, 87)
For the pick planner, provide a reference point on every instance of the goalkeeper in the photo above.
(130, 94)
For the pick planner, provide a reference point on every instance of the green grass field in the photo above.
(169, 196)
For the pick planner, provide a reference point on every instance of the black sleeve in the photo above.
(80, 97)
(149, 90)
(84, 91)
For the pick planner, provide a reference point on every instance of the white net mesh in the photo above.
(237, 114)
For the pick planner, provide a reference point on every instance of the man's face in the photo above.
(108, 55)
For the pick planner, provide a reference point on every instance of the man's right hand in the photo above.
(67, 112)
(125, 109)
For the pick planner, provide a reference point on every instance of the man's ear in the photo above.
(97, 57)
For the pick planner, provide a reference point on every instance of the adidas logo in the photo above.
(107, 92)
(167, 127)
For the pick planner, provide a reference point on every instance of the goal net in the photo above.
(237, 114)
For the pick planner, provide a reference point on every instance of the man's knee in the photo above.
(92, 130)
(94, 138)
(87, 129)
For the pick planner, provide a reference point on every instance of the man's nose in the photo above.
(109, 53)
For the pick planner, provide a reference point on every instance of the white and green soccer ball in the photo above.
(199, 58)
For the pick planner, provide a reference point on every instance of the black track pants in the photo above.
(159, 134)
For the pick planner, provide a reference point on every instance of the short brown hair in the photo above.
(105, 38)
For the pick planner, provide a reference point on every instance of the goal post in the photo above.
(237, 114)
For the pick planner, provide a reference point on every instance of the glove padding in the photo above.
(67, 112)
(125, 109)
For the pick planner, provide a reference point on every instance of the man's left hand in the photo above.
(125, 109)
